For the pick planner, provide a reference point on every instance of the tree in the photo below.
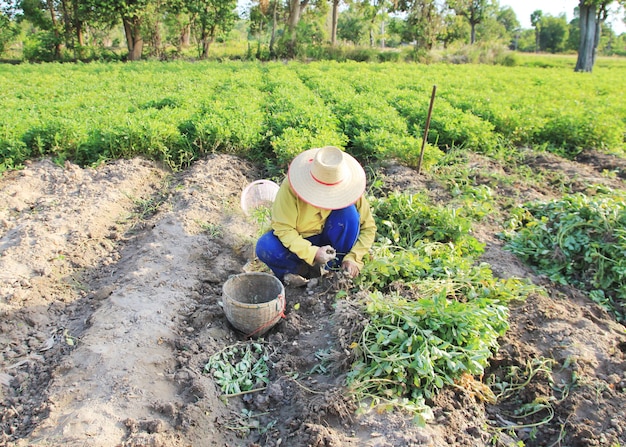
(263, 19)
(592, 14)
(535, 21)
(296, 7)
(424, 22)
(351, 26)
(211, 17)
(455, 28)
(372, 10)
(506, 16)
(130, 12)
(498, 24)
(8, 31)
(573, 40)
(526, 41)
(334, 21)
(554, 33)
(474, 11)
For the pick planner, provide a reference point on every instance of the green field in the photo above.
(178, 111)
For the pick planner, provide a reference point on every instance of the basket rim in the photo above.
(240, 304)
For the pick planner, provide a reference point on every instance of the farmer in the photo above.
(320, 218)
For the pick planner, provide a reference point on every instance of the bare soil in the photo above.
(110, 290)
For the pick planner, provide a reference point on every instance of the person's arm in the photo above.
(367, 234)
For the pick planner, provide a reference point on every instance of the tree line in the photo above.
(59, 30)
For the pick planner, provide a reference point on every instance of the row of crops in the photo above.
(176, 112)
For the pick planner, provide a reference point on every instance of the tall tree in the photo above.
(212, 17)
(351, 26)
(506, 16)
(593, 14)
(424, 22)
(554, 33)
(333, 23)
(372, 10)
(535, 21)
(8, 30)
(296, 7)
(474, 11)
(130, 12)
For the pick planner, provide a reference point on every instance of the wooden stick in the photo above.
(430, 111)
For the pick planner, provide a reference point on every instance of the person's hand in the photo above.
(351, 269)
(325, 254)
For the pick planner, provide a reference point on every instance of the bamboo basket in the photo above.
(253, 302)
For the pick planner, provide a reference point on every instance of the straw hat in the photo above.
(327, 178)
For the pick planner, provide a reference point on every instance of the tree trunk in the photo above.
(156, 39)
(333, 26)
(80, 35)
(601, 17)
(134, 40)
(586, 50)
(473, 34)
(273, 36)
(57, 37)
(537, 35)
(295, 12)
(67, 24)
(294, 18)
(205, 48)
(78, 25)
(185, 36)
(208, 37)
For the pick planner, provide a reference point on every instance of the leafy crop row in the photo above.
(445, 324)
(177, 111)
(297, 118)
(579, 240)
(231, 117)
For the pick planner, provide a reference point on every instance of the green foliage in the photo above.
(405, 219)
(413, 348)
(239, 368)
(445, 324)
(175, 112)
(374, 128)
(297, 118)
(9, 30)
(579, 240)
(231, 117)
(570, 131)
(449, 126)
(553, 33)
(211, 18)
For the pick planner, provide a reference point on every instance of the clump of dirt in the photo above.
(110, 293)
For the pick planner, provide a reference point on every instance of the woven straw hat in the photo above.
(327, 178)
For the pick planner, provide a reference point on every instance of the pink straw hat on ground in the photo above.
(327, 178)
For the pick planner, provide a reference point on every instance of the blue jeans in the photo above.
(340, 231)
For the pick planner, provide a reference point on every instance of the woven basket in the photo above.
(253, 302)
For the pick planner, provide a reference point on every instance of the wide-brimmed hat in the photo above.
(327, 178)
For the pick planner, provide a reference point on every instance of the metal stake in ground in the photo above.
(430, 111)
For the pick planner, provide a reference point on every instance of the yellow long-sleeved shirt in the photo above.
(293, 220)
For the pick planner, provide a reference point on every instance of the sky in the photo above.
(524, 8)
